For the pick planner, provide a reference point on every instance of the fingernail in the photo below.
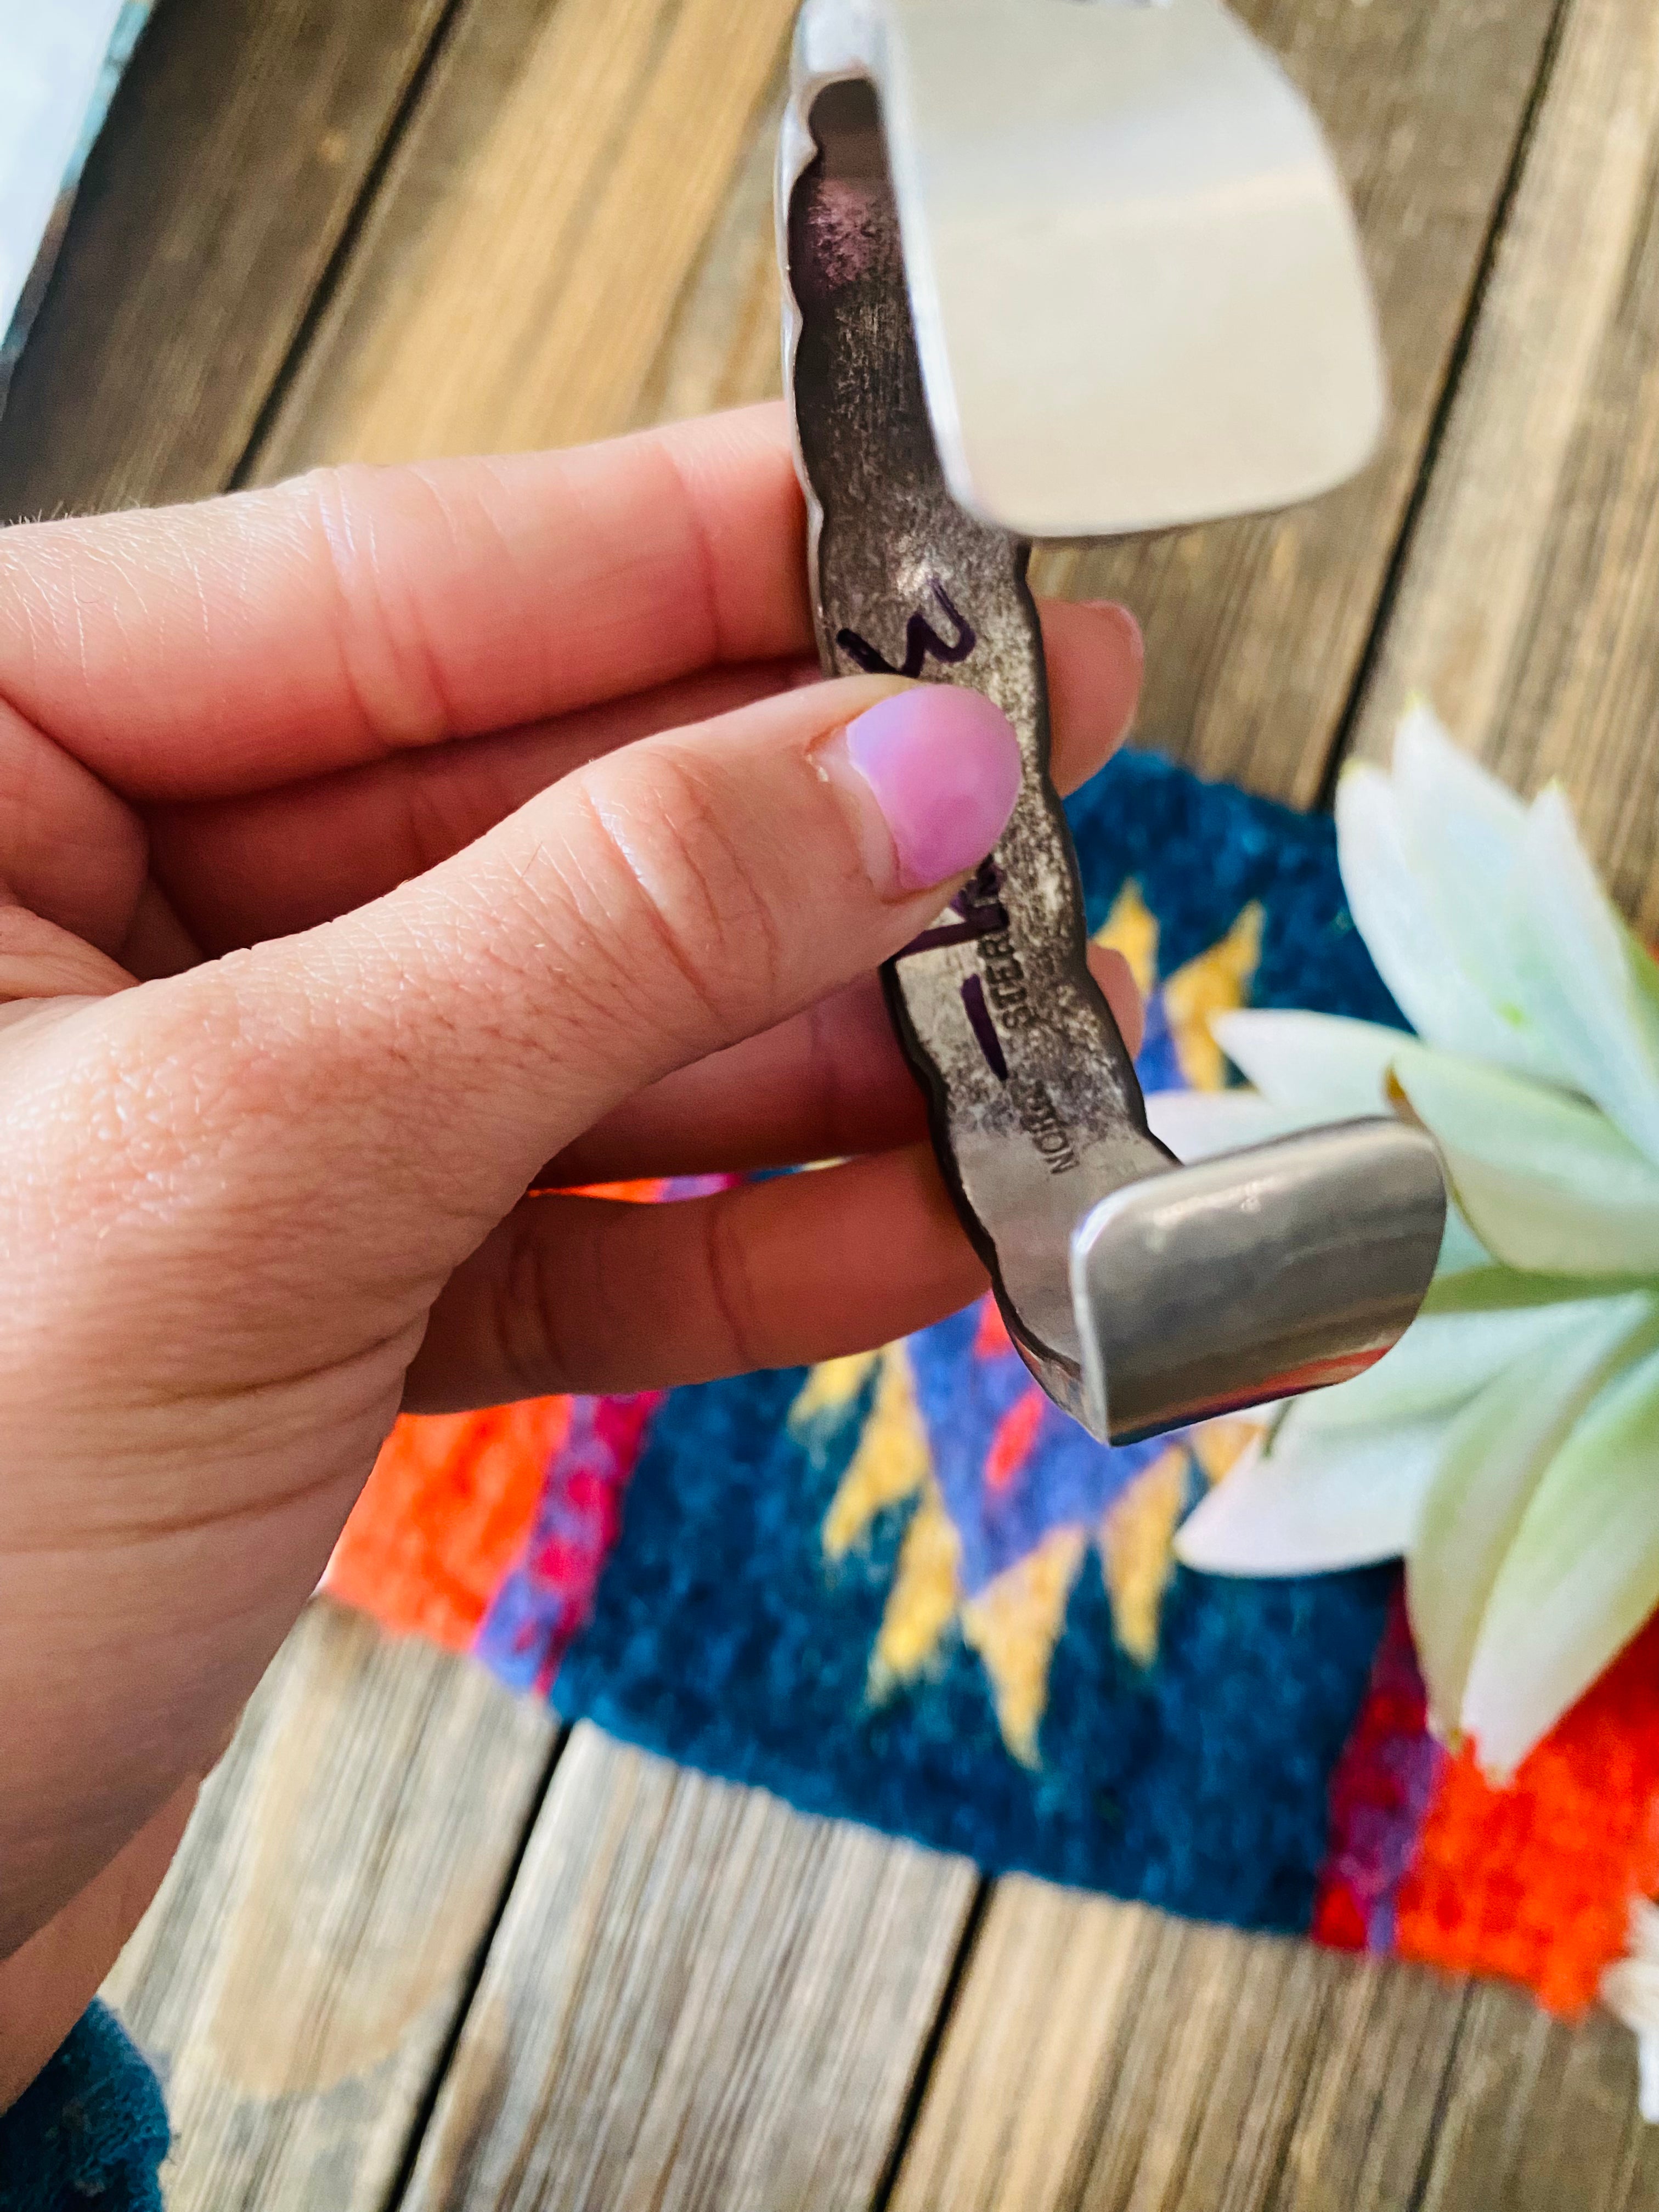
(1116, 609)
(943, 765)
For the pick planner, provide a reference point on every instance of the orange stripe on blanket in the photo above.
(1535, 1881)
(444, 1516)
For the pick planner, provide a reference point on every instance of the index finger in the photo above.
(206, 651)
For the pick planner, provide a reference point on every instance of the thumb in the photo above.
(664, 901)
(230, 1197)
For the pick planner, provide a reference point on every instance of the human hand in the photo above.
(383, 846)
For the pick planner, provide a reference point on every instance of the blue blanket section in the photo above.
(89, 2133)
(1198, 1784)
(1201, 853)
(961, 1400)
(720, 1639)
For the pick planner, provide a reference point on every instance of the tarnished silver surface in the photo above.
(1140, 1295)
(1036, 1110)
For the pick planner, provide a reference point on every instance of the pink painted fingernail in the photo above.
(943, 764)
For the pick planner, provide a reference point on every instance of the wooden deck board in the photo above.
(1102, 2057)
(997, 2127)
(696, 1998)
(234, 156)
(1507, 2108)
(550, 198)
(1527, 608)
(1539, 2117)
(722, 346)
(300, 1975)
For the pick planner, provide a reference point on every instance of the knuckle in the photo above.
(732, 1294)
(531, 1319)
(387, 658)
(694, 888)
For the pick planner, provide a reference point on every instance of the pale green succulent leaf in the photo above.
(1580, 1577)
(1198, 1125)
(1496, 1288)
(1492, 1460)
(1322, 1063)
(1508, 1445)
(1643, 971)
(1419, 933)
(1591, 987)
(1463, 829)
(1444, 1360)
(1545, 1181)
(1309, 1500)
(1393, 915)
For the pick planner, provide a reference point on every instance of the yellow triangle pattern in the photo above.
(831, 1388)
(1220, 1445)
(1136, 1550)
(921, 1606)
(1216, 982)
(1131, 929)
(892, 1461)
(1014, 1624)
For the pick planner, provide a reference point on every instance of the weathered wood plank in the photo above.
(236, 151)
(1101, 2058)
(1539, 2117)
(299, 1976)
(723, 346)
(696, 1997)
(1528, 607)
(554, 192)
